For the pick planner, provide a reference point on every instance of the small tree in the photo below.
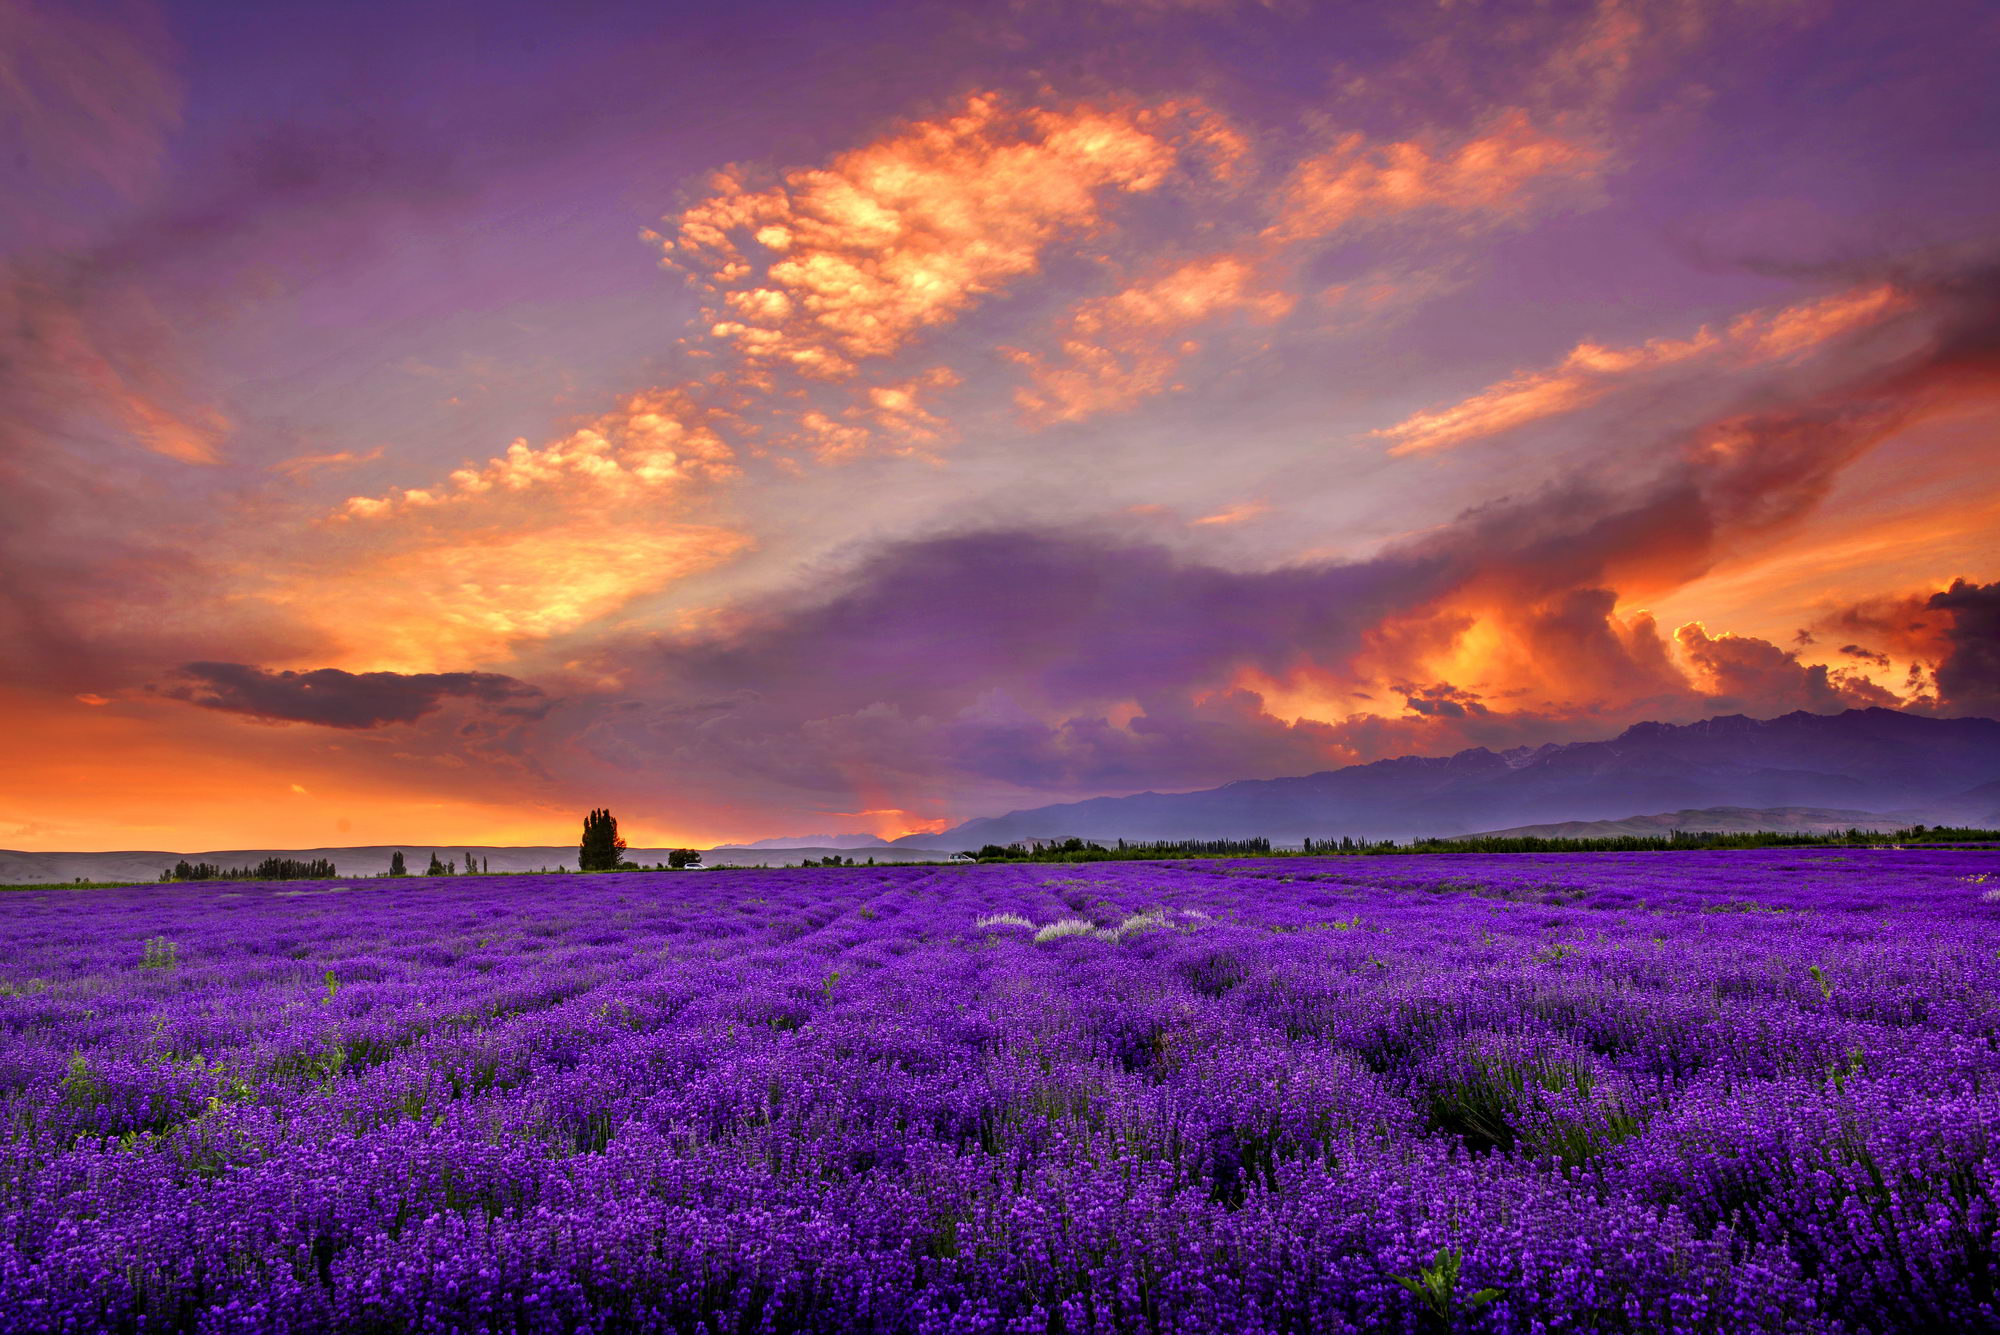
(436, 867)
(601, 849)
(397, 867)
(683, 857)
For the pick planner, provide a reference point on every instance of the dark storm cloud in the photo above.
(336, 699)
(1442, 700)
(1968, 676)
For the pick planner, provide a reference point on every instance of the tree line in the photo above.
(270, 869)
(1080, 850)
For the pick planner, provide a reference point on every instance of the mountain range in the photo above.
(1883, 762)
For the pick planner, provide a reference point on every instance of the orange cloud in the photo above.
(192, 435)
(1590, 370)
(897, 409)
(887, 418)
(1489, 174)
(532, 544)
(851, 261)
(471, 597)
(1531, 396)
(1235, 514)
(655, 441)
(1801, 328)
(306, 464)
(1127, 346)
(110, 366)
(891, 822)
(831, 439)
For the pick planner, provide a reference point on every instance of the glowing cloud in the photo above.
(1489, 174)
(1235, 514)
(852, 260)
(1591, 370)
(1125, 347)
(655, 441)
(457, 597)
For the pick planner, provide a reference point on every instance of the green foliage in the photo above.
(683, 857)
(1541, 1104)
(600, 849)
(1681, 839)
(1825, 983)
(80, 1086)
(1838, 1073)
(437, 867)
(159, 953)
(397, 867)
(1436, 1288)
(332, 987)
(1081, 850)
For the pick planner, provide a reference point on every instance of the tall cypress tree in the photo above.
(601, 849)
(396, 864)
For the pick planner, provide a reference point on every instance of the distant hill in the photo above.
(803, 841)
(1978, 807)
(1706, 820)
(1879, 760)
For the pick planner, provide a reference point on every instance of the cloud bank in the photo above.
(335, 699)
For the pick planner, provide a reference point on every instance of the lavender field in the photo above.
(1691, 1092)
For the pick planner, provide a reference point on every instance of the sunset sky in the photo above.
(424, 422)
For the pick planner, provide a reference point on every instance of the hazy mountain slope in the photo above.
(801, 841)
(1978, 806)
(752, 855)
(1865, 759)
(1723, 820)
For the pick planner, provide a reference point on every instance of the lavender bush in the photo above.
(1745, 1091)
